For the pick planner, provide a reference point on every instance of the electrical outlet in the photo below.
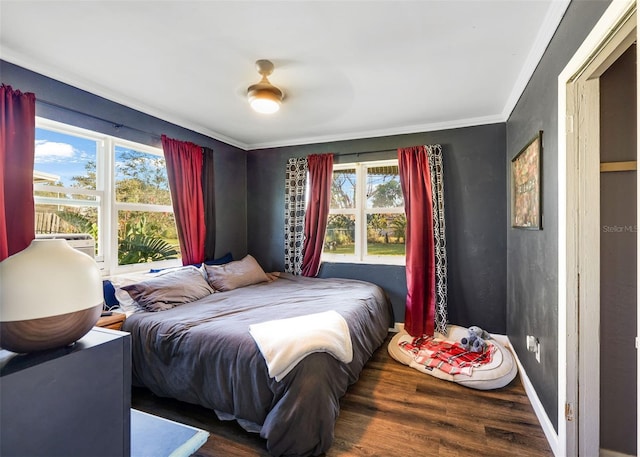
(533, 345)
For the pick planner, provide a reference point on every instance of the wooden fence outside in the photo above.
(51, 223)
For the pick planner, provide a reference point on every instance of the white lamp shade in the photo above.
(48, 283)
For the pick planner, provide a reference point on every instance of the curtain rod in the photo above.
(366, 152)
(115, 125)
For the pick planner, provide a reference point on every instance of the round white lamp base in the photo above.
(50, 296)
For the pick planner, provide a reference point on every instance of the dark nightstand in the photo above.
(68, 401)
(113, 322)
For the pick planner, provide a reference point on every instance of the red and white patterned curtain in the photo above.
(421, 177)
(295, 193)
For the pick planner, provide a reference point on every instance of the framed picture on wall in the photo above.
(526, 186)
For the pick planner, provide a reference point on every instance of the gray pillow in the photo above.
(236, 274)
(169, 290)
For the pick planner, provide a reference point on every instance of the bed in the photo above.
(201, 352)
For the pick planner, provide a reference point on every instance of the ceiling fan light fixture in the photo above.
(264, 102)
(264, 97)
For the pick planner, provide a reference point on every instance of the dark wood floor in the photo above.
(393, 410)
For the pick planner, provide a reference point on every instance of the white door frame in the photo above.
(578, 239)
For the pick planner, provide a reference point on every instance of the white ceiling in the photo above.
(349, 69)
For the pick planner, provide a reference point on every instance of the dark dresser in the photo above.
(72, 401)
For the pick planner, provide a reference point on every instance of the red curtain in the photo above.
(415, 179)
(184, 169)
(320, 168)
(17, 150)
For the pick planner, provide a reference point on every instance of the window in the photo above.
(115, 190)
(366, 217)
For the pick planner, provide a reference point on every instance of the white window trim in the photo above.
(360, 212)
(105, 194)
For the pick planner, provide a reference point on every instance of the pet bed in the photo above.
(499, 372)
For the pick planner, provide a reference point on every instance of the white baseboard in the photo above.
(545, 423)
(610, 453)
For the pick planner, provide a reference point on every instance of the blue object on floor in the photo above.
(153, 436)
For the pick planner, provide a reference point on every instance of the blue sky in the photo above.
(63, 155)
(66, 156)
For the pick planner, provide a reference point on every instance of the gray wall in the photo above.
(83, 109)
(475, 215)
(532, 256)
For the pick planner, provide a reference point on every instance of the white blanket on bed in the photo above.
(285, 342)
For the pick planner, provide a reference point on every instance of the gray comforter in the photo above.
(202, 353)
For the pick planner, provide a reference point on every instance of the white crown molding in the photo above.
(364, 134)
(550, 24)
(68, 77)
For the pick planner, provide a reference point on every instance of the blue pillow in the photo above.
(109, 293)
(219, 261)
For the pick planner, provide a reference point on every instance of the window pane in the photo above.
(64, 160)
(145, 236)
(341, 234)
(386, 234)
(383, 187)
(343, 189)
(67, 219)
(141, 177)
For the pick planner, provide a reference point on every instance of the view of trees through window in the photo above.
(340, 237)
(72, 193)
(143, 236)
(366, 204)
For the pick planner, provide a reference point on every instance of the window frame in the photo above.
(105, 193)
(360, 213)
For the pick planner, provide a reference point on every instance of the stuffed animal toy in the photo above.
(475, 340)
(479, 332)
